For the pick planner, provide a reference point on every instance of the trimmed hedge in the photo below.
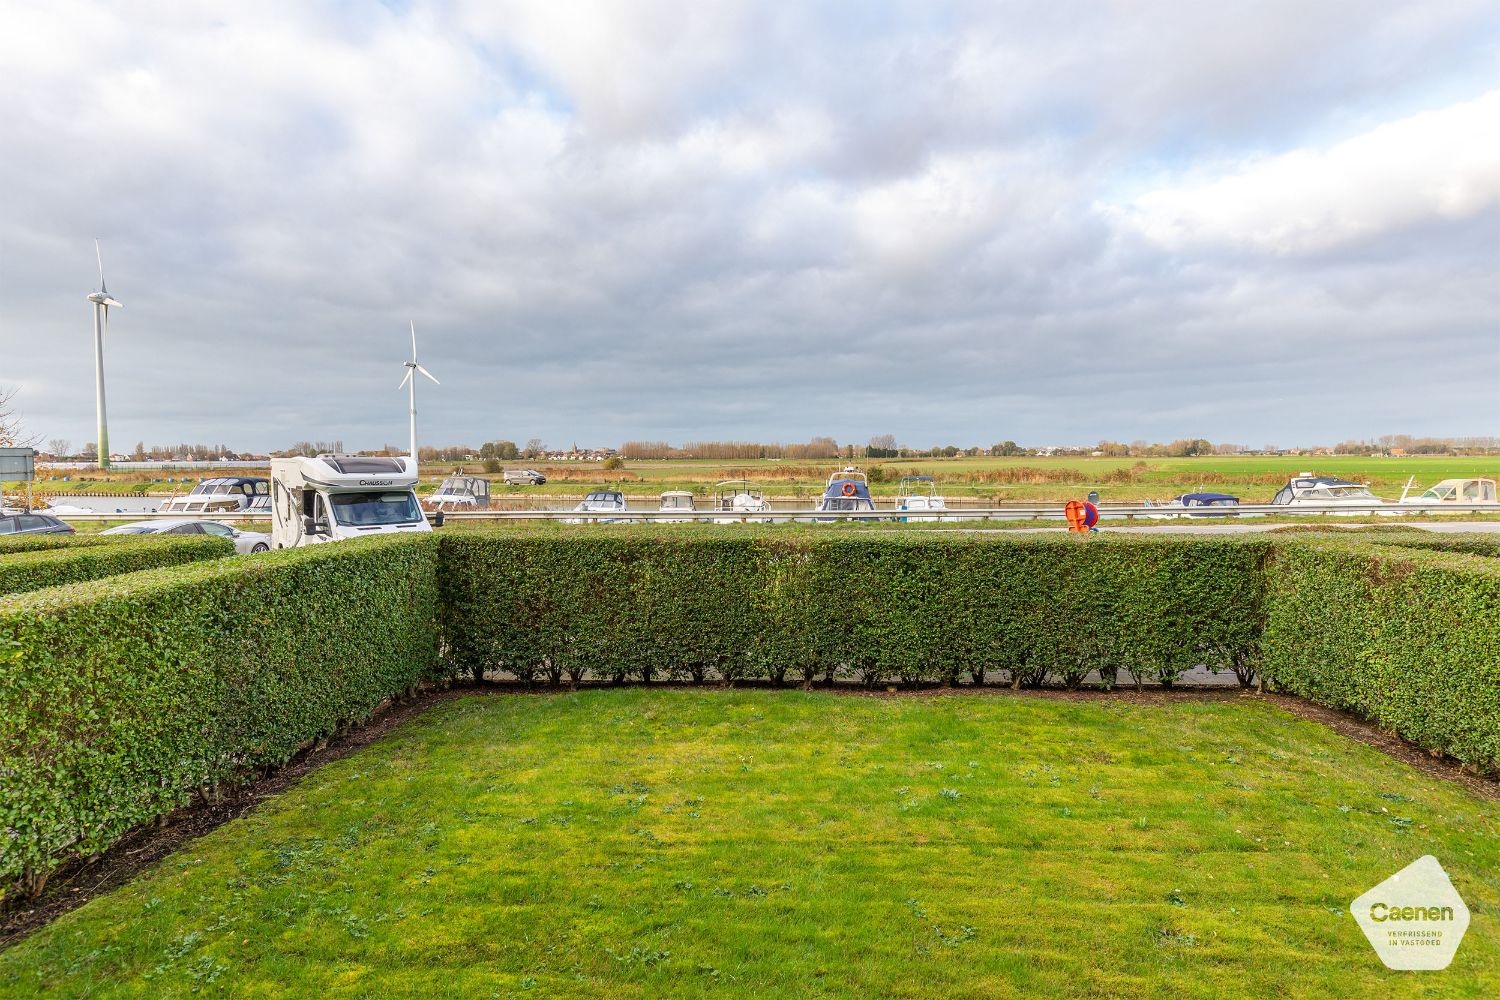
(25, 571)
(916, 607)
(122, 695)
(1470, 543)
(1408, 638)
(38, 543)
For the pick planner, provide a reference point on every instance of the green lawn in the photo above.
(638, 843)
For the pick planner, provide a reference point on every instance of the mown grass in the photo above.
(638, 843)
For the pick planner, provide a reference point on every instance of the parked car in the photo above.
(244, 541)
(523, 477)
(33, 524)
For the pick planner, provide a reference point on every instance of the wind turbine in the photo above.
(410, 383)
(102, 302)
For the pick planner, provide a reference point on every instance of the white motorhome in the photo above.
(332, 497)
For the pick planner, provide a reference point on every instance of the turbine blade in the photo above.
(429, 374)
(413, 339)
(405, 380)
(99, 256)
(111, 302)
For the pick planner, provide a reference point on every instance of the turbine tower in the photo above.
(102, 302)
(410, 384)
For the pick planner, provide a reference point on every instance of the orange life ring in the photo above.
(850, 489)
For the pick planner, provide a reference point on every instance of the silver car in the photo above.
(244, 541)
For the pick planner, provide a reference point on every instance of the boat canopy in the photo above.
(244, 485)
(464, 486)
(854, 489)
(1313, 482)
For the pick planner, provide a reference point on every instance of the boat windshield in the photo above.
(1439, 492)
(676, 503)
(375, 508)
(456, 488)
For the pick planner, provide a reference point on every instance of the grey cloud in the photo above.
(720, 220)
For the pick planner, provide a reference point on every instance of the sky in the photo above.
(1272, 222)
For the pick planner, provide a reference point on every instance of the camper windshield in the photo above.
(365, 509)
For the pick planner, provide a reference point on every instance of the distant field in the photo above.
(1252, 478)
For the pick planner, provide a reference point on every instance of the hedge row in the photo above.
(879, 608)
(1469, 543)
(25, 571)
(1408, 638)
(38, 543)
(122, 695)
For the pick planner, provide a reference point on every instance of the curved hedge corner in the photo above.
(33, 570)
(915, 608)
(119, 696)
(1408, 638)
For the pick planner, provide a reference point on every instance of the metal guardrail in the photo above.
(1044, 512)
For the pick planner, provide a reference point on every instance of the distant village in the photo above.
(59, 451)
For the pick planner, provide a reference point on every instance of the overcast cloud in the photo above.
(1268, 222)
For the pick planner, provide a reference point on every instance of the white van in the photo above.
(332, 497)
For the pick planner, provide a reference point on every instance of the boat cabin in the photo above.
(1457, 491)
(739, 495)
(224, 493)
(847, 490)
(1311, 489)
(919, 493)
(462, 491)
(1213, 500)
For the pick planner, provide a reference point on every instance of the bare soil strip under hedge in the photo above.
(80, 881)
